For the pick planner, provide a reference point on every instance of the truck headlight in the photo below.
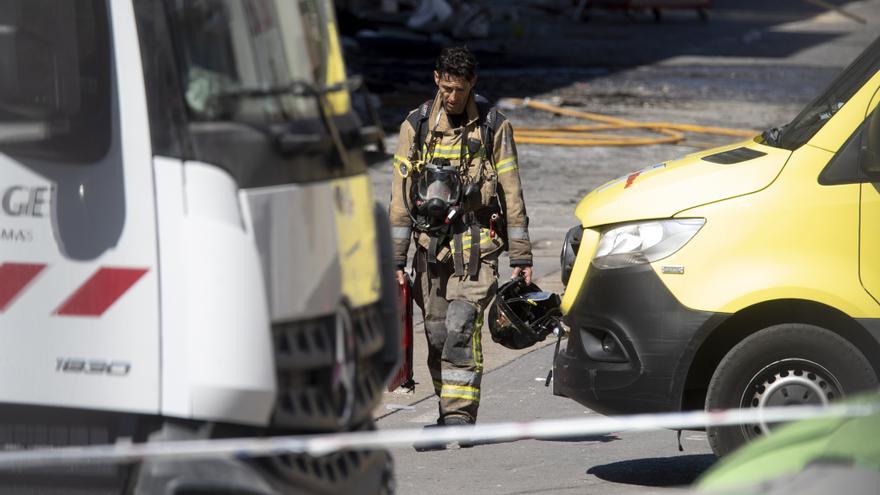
(644, 242)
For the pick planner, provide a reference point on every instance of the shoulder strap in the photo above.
(490, 119)
(417, 120)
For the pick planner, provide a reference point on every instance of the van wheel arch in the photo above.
(782, 365)
(755, 318)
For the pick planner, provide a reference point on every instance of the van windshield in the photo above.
(235, 53)
(814, 116)
(55, 86)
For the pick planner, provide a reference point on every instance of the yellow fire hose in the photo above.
(590, 135)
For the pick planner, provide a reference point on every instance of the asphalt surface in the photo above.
(616, 463)
(752, 66)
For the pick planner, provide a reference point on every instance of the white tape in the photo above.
(499, 432)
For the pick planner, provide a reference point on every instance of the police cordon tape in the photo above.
(323, 444)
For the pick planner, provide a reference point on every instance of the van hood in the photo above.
(665, 189)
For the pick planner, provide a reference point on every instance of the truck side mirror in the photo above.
(869, 154)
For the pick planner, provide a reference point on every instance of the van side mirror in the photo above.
(869, 153)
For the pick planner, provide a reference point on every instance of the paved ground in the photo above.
(617, 463)
(752, 66)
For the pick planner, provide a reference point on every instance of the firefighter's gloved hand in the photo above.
(401, 277)
(525, 271)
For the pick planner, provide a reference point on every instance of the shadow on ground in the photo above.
(588, 438)
(655, 471)
(585, 438)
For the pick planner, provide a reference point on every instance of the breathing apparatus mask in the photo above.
(438, 192)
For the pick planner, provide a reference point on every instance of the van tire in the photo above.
(783, 365)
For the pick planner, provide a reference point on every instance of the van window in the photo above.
(869, 157)
(857, 158)
(814, 116)
(237, 56)
(55, 80)
(844, 166)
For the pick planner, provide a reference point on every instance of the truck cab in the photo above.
(738, 277)
(189, 247)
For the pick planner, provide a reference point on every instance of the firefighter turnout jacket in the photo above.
(500, 190)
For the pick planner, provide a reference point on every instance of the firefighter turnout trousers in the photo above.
(453, 311)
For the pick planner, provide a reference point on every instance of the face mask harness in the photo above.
(438, 192)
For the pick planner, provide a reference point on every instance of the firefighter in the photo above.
(456, 193)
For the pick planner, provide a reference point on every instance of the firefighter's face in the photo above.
(455, 91)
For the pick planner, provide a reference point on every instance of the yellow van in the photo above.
(743, 276)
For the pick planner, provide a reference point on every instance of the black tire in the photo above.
(783, 365)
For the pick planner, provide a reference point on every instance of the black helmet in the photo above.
(522, 314)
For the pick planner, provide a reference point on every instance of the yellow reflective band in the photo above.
(467, 244)
(456, 396)
(460, 392)
(476, 343)
(446, 147)
(448, 151)
(466, 240)
(506, 165)
(505, 161)
(484, 234)
(452, 156)
(461, 388)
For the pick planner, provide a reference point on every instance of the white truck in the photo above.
(188, 243)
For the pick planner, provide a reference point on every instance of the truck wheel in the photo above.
(789, 364)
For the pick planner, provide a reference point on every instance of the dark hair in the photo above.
(456, 61)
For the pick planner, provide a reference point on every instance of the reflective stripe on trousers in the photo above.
(453, 331)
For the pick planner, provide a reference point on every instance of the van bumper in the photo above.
(631, 343)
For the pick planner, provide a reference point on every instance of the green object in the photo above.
(793, 447)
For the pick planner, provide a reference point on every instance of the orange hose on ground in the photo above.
(586, 135)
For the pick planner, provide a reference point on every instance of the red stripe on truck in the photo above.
(14, 277)
(99, 292)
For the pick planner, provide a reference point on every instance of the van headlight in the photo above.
(644, 242)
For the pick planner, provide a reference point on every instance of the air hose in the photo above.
(598, 135)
